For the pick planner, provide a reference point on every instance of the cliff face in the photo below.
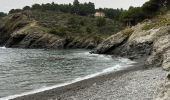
(143, 40)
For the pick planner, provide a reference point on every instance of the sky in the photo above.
(6, 5)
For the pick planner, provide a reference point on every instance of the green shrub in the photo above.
(101, 22)
(2, 14)
(53, 31)
(148, 26)
(128, 31)
(62, 32)
(88, 30)
(97, 38)
(82, 23)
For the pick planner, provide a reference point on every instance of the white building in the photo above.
(99, 14)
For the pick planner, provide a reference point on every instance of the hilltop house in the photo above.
(99, 14)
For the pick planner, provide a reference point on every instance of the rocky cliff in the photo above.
(149, 40)
(31, 29)
(153, 44)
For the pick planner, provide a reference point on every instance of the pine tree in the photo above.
(76, 3)
(76, 6)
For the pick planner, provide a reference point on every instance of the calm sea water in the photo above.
(24, 70)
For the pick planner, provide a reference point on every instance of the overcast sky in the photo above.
(6, 5)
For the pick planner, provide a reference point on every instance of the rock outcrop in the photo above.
(152, 44)
(112, 43)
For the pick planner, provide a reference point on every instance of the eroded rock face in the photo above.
(37, 38)
(153, 44)
(111, 43)
(161, 53)
(135, 45)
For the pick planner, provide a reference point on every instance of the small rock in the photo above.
(168, 76)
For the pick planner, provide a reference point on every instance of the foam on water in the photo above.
(105, 71)
(127, 61)
(3, 47)
(99, 56)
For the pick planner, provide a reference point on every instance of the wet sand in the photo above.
(133, 83)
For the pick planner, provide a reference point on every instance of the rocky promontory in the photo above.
(136, 42)
(33, 29)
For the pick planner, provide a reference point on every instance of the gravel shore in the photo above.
(133, 83)
(137, 85)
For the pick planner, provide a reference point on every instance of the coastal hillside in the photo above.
(58, 26)
(77, 25)
(57, 30)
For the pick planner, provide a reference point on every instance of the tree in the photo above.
(91, 8)
(76, 3)
(151, 7)
(27, 8)
(36, 6)
(2, 14)
(132, 16)
(76, 6)
(15, 11)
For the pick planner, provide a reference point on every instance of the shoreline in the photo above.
(82, 84)
(65, 91)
